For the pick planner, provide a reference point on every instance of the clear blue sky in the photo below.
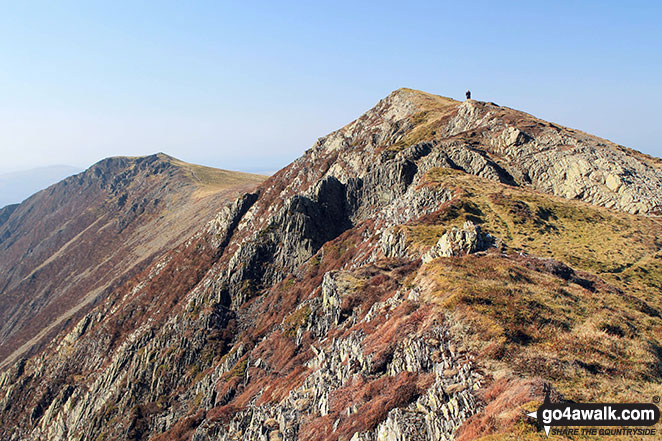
(251, 85)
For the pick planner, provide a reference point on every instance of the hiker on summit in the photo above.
(468, 94)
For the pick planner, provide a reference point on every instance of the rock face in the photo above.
(64, 247)
(303, 311)
(558, 160)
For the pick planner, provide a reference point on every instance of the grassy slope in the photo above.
(211, 180)
(429, 121)
(597, 337)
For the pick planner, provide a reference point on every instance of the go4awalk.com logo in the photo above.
(625, 419)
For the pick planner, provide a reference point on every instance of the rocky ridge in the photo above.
(305, 309)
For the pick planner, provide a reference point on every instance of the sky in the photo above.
(251, 85)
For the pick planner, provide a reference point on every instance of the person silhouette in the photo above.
(468, 94)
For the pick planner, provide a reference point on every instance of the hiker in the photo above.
(468, 94)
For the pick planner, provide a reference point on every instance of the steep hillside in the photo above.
(64, 247)
(425, 272)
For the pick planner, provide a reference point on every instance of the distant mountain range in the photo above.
(433, 270)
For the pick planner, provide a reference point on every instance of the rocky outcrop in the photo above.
(436, 414)
(459, 242)
(393, 243)
(562, 161)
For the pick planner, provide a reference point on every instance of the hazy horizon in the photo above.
(251, 87)
(5, 173)
(17, 186)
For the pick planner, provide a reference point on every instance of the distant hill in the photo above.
(64, 247)
(17, 186)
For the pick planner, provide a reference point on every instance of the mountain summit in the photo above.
(510, 146)
(426, 272)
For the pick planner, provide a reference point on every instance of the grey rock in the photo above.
(459, 241)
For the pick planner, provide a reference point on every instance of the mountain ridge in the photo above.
(411, 276)
(43, 239)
